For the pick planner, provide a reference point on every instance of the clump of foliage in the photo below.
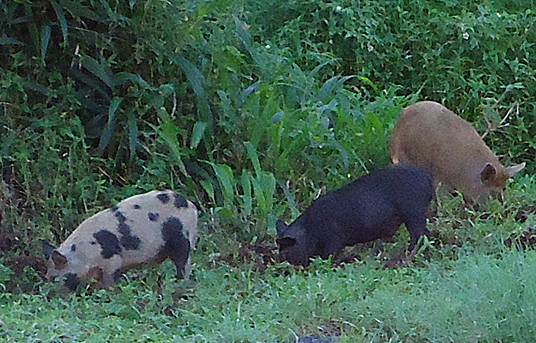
(475, 58)
(163, 94)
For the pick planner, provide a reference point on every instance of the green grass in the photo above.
(477, 298)
(476, 289)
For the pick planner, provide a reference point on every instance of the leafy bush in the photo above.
(462, 54)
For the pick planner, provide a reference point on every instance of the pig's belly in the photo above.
(384, 229)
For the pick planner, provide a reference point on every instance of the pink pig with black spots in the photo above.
(145, 228)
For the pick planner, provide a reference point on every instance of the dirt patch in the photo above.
(265, 252)
(527, 238)
(524, 212)
(18, 263)
(522, 240)
(326, 332)
(23, 280)
(260, 254)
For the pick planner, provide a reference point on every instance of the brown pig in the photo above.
(430, 136)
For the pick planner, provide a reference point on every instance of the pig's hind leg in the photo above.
(179, 253)
(176, 246)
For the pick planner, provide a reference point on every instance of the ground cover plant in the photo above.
(251, 109)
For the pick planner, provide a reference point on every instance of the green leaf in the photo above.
(99, 70)
(245, 181)
(290, 198)
(241, 32)
(109, 11)
(197, 134)
(259, 194)
(194, 76)
(92, 83)
(132, 134)
(268, 183)
(197, 81)
(61, 18)
(33, 85)
(78, 10)
(252, 153)
(45, 40)
(110, 125)
(123, 77)
(276, 118)
(8, 41)
(209, 188)
(332, 85)
(370, 83)
(225, 177)
(169, 132)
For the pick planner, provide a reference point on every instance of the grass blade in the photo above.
(45, 41)
(197, 134)
(252, 153)
(61, 18)
(132, 134)
(110, 125)
(99, 70)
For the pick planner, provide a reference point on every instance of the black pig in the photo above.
(371, 207)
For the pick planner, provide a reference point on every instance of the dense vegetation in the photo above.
(251, 109)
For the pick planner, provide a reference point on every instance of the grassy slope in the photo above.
(478, 298)
(445, 296)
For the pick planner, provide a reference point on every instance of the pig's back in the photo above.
(374, 201)
(430, 136)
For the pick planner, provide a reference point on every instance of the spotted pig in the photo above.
(145, 228)
(430, 136)
(371, 207)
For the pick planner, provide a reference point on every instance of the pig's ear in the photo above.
(48, 249)
(59, 260)
(281, 227)
(513, 170)
(488, 173)
(286, 242)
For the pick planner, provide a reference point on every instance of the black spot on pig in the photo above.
(371, 207)
(136, 207)
(152, 216)
(72, 281)
(180, 201)
(163, 197)
(176, 245)
(73, 247)
(120, 216)
(108, 242)
(128, 241)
